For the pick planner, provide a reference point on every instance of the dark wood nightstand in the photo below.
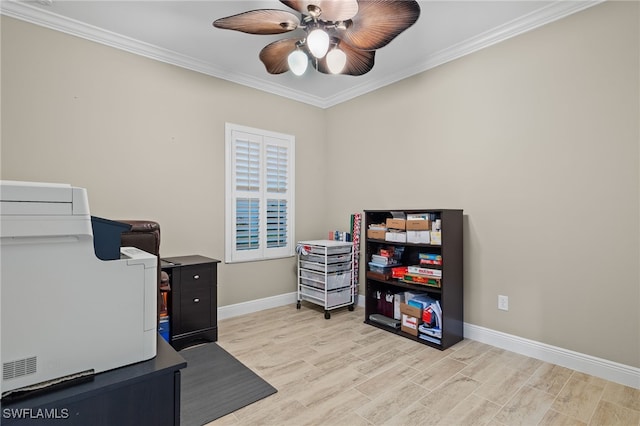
(193, 301)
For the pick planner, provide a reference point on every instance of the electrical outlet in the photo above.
(503, 303)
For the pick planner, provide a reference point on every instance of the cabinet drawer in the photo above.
(321, 267)
(325, 281)
(333, 298)
(329, 259)
(196, 276)
(195, 308)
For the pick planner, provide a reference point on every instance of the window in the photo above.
(259, 194)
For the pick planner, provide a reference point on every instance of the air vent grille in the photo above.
(19, 368)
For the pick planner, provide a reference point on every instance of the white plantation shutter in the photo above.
(276, 180)
(247, 162)
(276, 223)
(259, 202)
(247, 190)
(247, 223)
(277, 159)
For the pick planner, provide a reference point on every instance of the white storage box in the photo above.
(419, 237)
(334, 298)
(317, 279)
(398, 237)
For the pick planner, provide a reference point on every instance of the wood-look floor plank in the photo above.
(343, 372)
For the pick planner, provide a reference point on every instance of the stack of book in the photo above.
(381, 264)
(399, 272)
(383, 260)
(430, 259)
(424, 276)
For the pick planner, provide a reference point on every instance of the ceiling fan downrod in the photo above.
(314, 11)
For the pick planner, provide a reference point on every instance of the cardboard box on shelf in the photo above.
(396, 223)
(419, 237)
(418, 224)
(376, 234)
(411, 318)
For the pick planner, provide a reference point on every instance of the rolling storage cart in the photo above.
(325, 274)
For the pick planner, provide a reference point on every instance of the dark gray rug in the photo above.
(215, 384)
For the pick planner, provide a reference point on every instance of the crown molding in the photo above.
(29, 13)
(540, 17)
(37, 16)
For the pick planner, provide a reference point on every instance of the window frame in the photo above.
(236, 135)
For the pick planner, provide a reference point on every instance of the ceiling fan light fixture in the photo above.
(336, 60)
(298, 62)
(353, 29)
(318, 42)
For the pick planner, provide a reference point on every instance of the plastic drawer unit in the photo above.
(325, 274)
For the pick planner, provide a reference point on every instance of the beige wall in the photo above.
(147, 141)
(535, 138)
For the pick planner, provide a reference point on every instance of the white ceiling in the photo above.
(181, 33)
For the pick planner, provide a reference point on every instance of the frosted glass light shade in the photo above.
(318, 42)
(298, 62)
(336, 60)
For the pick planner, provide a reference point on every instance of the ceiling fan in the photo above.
(335, 36)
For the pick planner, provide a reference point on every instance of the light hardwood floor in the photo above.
(344, 372)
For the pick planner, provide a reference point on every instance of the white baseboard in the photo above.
(605, 369)
(257, 305)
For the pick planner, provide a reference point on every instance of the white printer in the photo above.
(64, 312)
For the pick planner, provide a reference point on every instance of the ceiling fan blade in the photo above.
(332, 10)
(274, 55)
(380, 21)
(359, 62)
(260, 21)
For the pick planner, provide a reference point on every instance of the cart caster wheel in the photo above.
(298, 305)
(351, 307)
(327, 315)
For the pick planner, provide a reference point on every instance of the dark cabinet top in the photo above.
(171, 262)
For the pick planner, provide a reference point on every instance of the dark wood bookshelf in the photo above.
(450, 292)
